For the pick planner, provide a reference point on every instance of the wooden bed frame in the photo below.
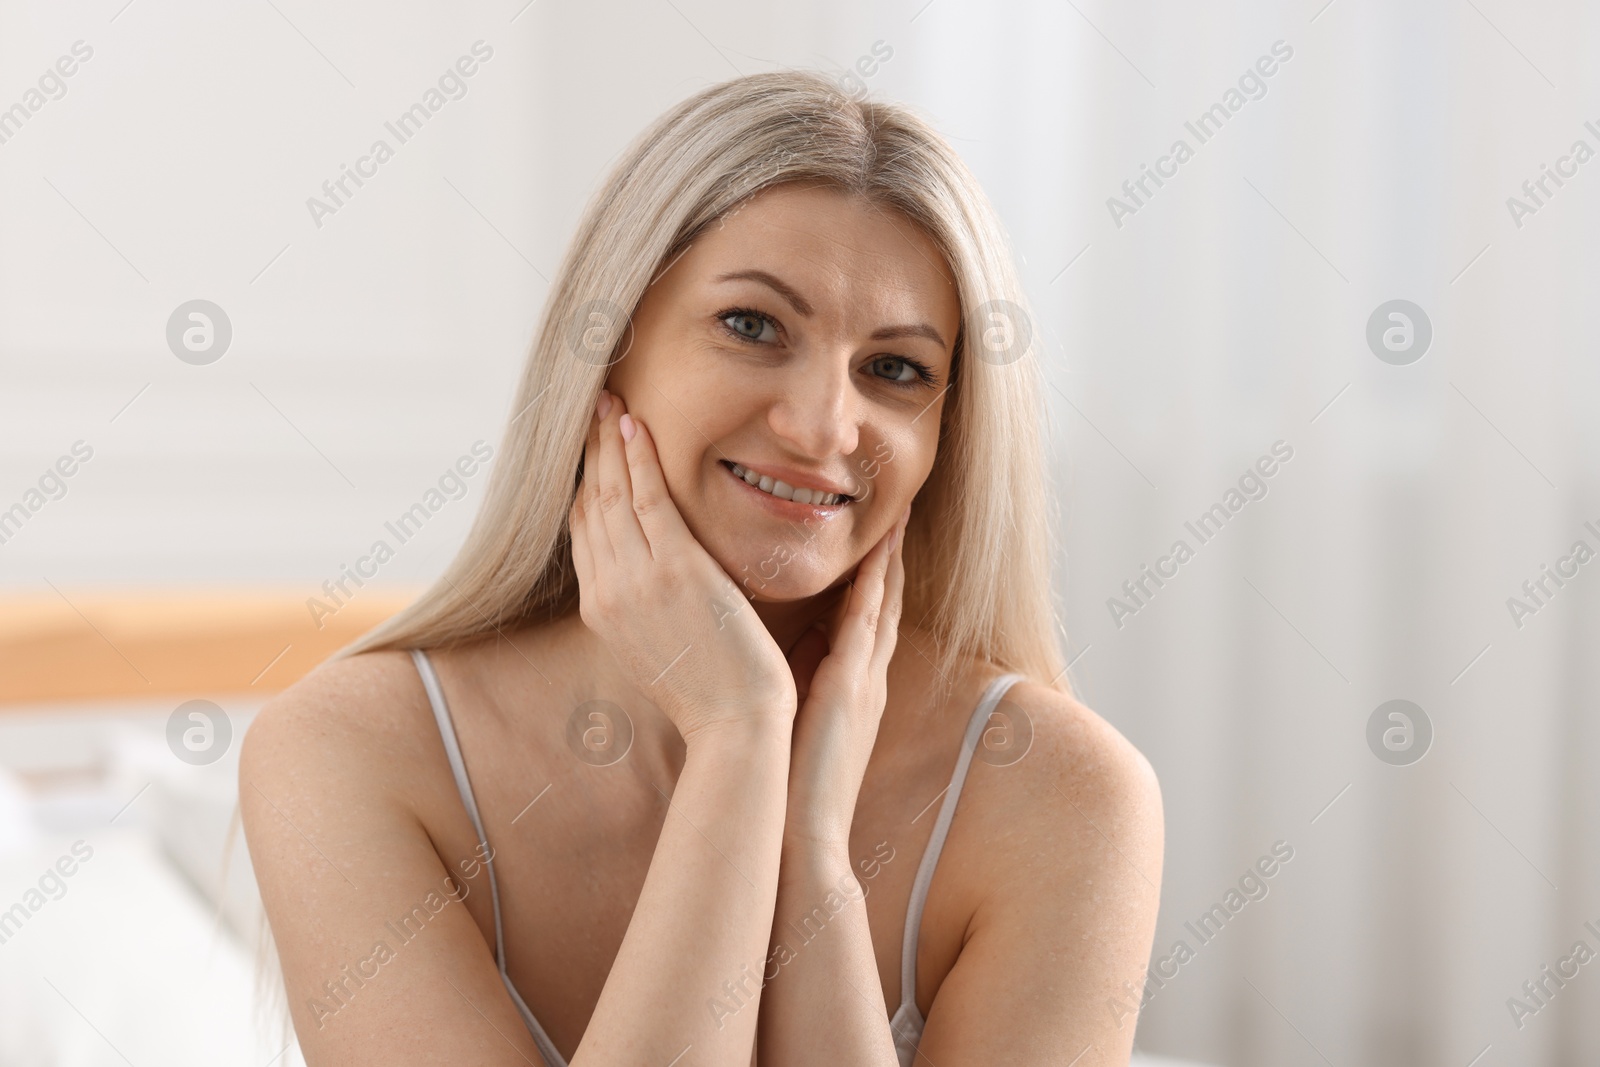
(81, 644)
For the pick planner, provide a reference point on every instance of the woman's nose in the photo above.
(816, 411)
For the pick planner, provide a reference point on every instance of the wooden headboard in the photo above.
(80, 644)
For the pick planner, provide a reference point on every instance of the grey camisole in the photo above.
(906, 1023)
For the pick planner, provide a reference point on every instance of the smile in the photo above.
(780, 490)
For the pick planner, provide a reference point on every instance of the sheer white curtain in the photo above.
(1230, 312)
(1209, 319)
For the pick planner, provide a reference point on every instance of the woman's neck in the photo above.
(590, 672)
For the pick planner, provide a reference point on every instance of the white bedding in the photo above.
(121, 962)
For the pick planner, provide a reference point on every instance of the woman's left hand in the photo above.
(841, 679)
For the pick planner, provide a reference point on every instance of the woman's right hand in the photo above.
(675, 622)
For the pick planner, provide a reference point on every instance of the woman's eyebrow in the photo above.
(920, 329)
(776, 284)
(803, 306)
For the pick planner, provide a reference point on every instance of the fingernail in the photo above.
(894, 535)
(602, 405)
(907, 516)
(626, 424)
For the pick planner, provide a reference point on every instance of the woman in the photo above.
(665, 768)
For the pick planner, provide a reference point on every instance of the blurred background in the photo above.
(1336, 345)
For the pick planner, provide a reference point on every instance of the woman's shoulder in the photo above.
(1077, 743)
(1057, 810)
(1058, 839)
(1044, 756)
(354, 717)
(1047, 724)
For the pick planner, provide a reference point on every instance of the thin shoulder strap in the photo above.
(458, 768)
(941, 828)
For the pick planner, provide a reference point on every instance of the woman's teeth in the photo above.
(785, 491)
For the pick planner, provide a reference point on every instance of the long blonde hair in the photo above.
(977, 551)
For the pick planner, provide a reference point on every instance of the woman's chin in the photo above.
(767, 583)
(790, 592)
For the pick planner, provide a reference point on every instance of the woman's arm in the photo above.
(383, 963)
(687, 980)
(1052, 962)
(825, 1003)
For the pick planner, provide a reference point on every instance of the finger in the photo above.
(658, 515)
(863, 611)
(615, 489)
(594, 528)
(582, 561)
(893, 603)
(841, 606)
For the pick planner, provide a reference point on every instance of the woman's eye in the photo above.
(899, 369)
(750, 326)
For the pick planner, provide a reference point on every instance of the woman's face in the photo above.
(806, 337)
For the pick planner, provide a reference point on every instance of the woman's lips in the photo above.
(787, 509)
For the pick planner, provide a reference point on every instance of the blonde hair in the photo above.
(977, 551)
